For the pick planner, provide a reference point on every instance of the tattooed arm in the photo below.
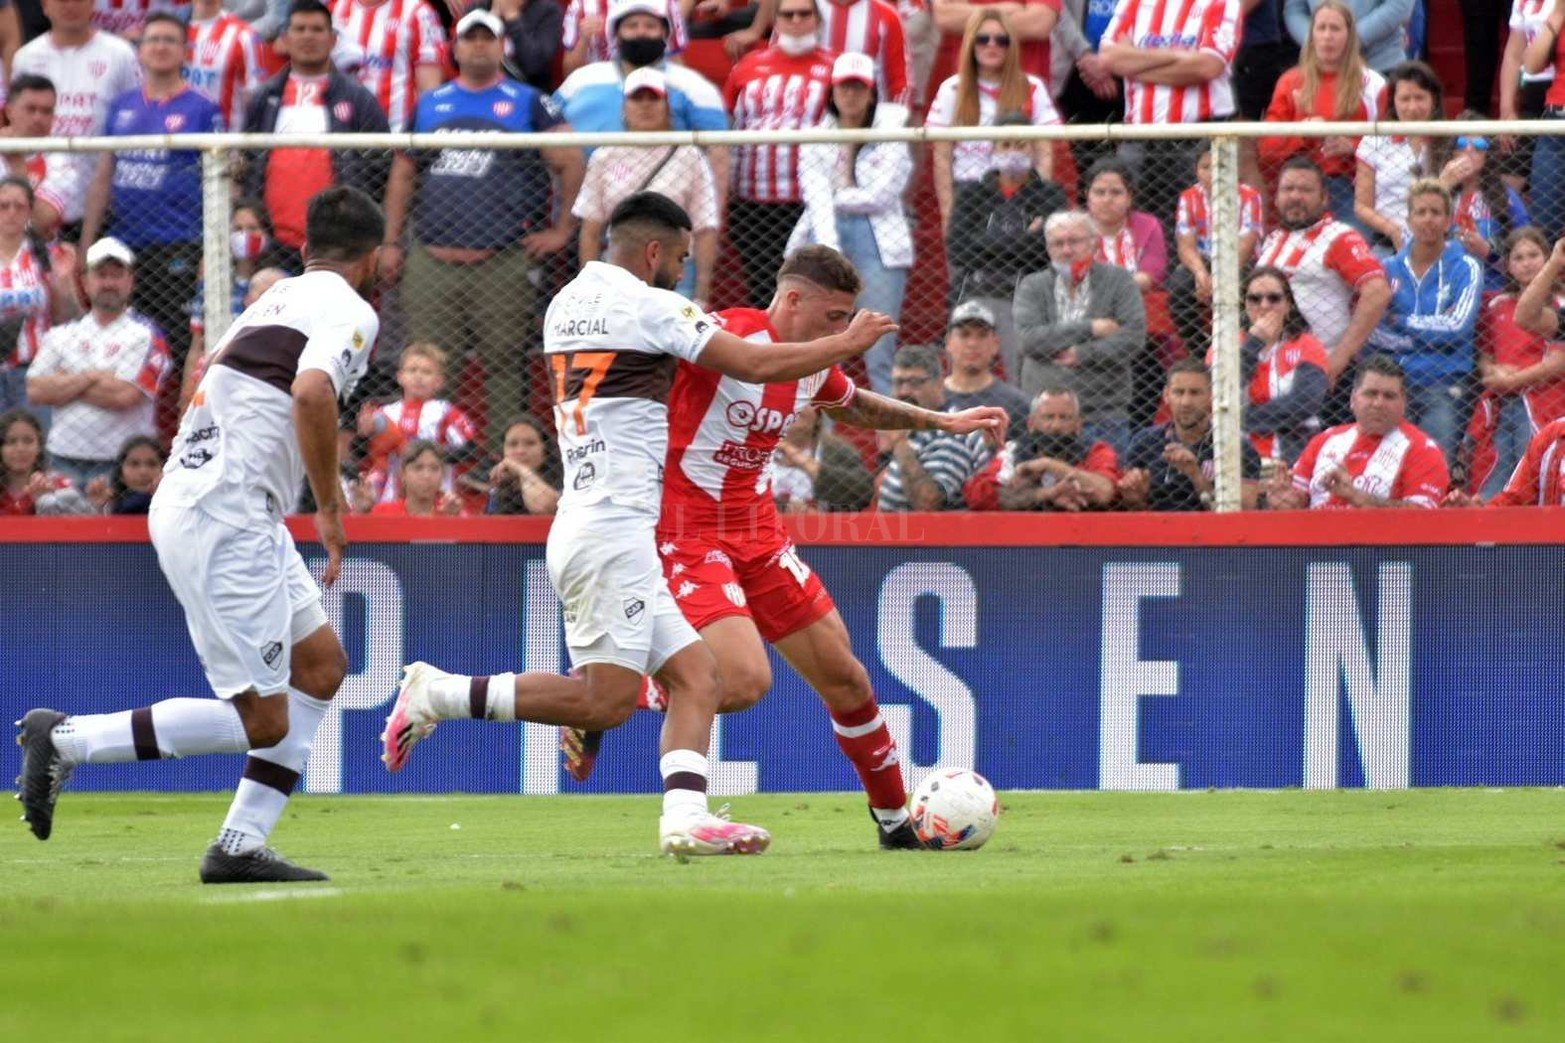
(879, 413)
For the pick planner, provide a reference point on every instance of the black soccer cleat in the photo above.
(580, 749)
(44, 773)
(900, 839)
(261, 866)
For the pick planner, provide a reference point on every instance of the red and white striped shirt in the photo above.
(1539, 477)
(1404, 464)
(1274, 376)
(600, 48)
(25, 295)
(1193, 216)
(406, 420)
(223, 61)
(1209, 26)
(723, 432)
(1325, 263)
(770, 90)
(126, 17)
(397, 37)
(56, 179)
(871, 27)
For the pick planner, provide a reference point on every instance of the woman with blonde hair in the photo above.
(1331, 83)
(988, 82)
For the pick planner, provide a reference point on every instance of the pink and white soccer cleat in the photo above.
(707, 834)
(412, 718)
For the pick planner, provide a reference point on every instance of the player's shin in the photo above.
(866, 741)
(171, 728)
(270, 776)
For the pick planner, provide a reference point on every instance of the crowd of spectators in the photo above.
(1401, 339)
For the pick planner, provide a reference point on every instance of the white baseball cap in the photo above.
(480, 17)
(646, 78)
(853, 66)
(970, 312)
(109, 249)
(622, 9)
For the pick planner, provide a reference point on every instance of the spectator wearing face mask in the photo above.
(1050, 466)
(251, 247)
(996, 235)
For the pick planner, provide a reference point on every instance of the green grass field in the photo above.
(1425, 915)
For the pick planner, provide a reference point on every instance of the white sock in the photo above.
(270, 776)
(171, 728)
(452, 696)
(684, 783)
(890, 818)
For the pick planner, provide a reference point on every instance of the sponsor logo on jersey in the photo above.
(679, 566)
(758, 418)
(667, 547)
(634, 608)
(735, 593)
(358, 340)
(742, 457)
(578, 453)
(585, 476)
(271, 653)
(686, 589)
(194, 458)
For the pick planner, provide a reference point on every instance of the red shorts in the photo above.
(714, 576)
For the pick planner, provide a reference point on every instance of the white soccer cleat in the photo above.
(412, 718)
(704, 833)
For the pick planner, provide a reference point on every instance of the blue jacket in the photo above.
(1429, 325)
(1382, 26)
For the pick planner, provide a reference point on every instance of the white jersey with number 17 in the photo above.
(613, 344)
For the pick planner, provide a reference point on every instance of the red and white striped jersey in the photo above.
(1193, 216)
(125, 17)
(1209, 26)
(1325, 263)
(599, 48)
(1404, 464)
(223, 61)
(56, 179)
(871, 27)
(722, 433)
(435, 420)
(1274, 376)
(1119, 250)
(396, 38)
(770, 90)
(1539, 477)
(25, 295)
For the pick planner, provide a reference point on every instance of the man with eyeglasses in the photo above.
(783, 87)
(151, 198)
(1080, 324)
(928, 468)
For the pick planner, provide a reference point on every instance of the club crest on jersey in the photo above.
(717, 557)
(173, 122)
(97, 69)
(502, 109)
(634, 608)
(735, 593)
(343, 110)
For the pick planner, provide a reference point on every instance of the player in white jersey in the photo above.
(263, 419)
(614, 337)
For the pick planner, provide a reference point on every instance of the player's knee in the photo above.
(847, 688)
(743, 687)
(609, 706)
(265, 720)
(322, 676)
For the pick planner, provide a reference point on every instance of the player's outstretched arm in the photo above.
(765, 363)
(315, 418)
(879, 413)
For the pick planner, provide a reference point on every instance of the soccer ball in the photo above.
(955, 810)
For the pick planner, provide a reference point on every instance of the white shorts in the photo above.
(247, 596)
(617, 604)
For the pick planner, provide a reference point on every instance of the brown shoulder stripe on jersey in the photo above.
(630, 374)
(270, 354)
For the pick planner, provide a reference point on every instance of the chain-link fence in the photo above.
(1082, 278)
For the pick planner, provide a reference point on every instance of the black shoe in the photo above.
(261, 866)
(900, 839)
(44, 774)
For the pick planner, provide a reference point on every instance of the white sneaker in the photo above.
(704, 833)
(412, 717)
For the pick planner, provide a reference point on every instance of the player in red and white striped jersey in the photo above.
(871, 27)
(403, 45)
(730, 564)
(782, 87)
(585, 35)
(222, 59)
(124, 18)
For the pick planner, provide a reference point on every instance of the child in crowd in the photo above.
(423, 481)
(137, 470)
(420, 414)
(26, 484)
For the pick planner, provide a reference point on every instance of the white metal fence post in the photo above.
(1227, 401)
(218, 261)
